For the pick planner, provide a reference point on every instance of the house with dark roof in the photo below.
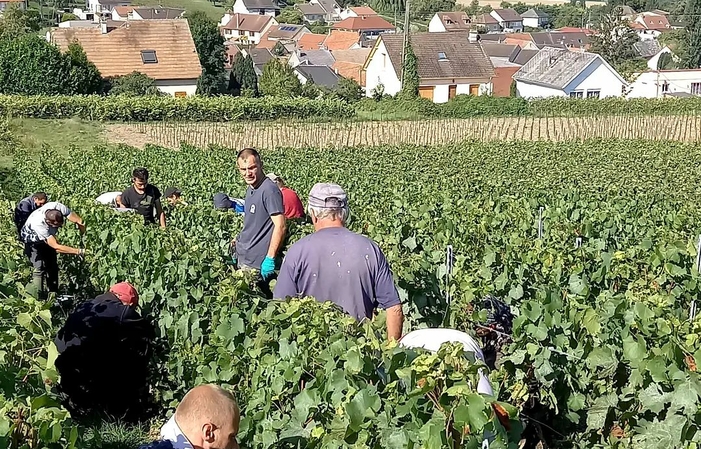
(556, 72)
(283, 33)
(450, 21)
(161, 49)
(448, 64)
(311, 12)
(311, 57)
(263, 7)
(260, 57)
(486, 23)
(570, 40)
(245, 28)
(321, 75)
(506, 62)
(155, 13)
(535, 18)
(509, 20)
(331, 8)
(651, 50)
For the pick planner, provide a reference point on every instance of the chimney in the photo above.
(103, 27)
(473, 37)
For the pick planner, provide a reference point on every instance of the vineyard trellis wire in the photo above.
(289, 133)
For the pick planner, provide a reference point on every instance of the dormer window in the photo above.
(442, 56)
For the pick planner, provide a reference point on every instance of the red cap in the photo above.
(126, 293)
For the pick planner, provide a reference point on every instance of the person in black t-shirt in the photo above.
(145, 198)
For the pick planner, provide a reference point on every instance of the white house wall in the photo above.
(436, 25)
(172, 86)
(597, 76)
(649, 84)
(527, 90)
(381, 71)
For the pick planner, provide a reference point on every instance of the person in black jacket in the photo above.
(104, 350)
(25, 208)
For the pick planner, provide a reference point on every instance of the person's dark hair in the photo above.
(247, 152)
(54, 217)
(41, 196)
(140, 173)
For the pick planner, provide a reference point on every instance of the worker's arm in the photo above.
(278, 234)
(395, 322)
(75, 218)
(63, 249)
(160, 213)
(118, 201)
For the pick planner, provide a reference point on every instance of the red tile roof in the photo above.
(363, 23)
(311, 41)
(341, 40)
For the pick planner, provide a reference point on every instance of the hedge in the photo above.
(213, 109)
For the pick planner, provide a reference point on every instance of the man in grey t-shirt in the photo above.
(263, 230)
(337, 265)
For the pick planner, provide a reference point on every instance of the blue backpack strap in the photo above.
(160, 444)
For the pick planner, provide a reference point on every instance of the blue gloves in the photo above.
(267, 268)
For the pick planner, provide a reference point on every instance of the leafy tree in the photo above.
(235, 76)
(210, 48)
(30, 65)
(667, 62)
(320, 27)
(614, 41)
(68, 16)
(410, 75)
(290, 15)
(678, 42)
(135, 84)
(349, 90)
(84, 78)
(249, 79)
(422, 9)
(15, 23)
(692, 16)
(278, 79)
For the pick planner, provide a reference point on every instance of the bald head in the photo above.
(209, 417)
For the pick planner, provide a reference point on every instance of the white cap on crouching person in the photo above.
(328, 196)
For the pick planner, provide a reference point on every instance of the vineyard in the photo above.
(593, 244)
(684, 128)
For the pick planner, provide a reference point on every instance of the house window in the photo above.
(593, 93)
(665, 87)
(577, 94)
(149, 56)
(696, 88)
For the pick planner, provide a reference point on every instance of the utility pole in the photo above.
(406, 36)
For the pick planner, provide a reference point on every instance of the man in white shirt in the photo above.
(207, 418)
(41, 246)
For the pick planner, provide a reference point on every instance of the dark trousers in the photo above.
(45, 262)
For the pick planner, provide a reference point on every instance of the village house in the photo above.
(486, 23)
(367, 28)
(651, 50)
(509, 20)
(556, 72)
(357, 11)
(649, 25)
(535, 18)
(105, 6)
(311, 13)
(262, 7)
(319, 75)
(311, 57)
(161, 49)
(122, 12)
(311, 41)
(449, 21)
(331, 9)
(260, 57)
(666, 83)
(349, 63)
(506, 60)
(155, 13)
(283, 33)
(341, 40)
(4, 4)
(448, 64)
(245, 28)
